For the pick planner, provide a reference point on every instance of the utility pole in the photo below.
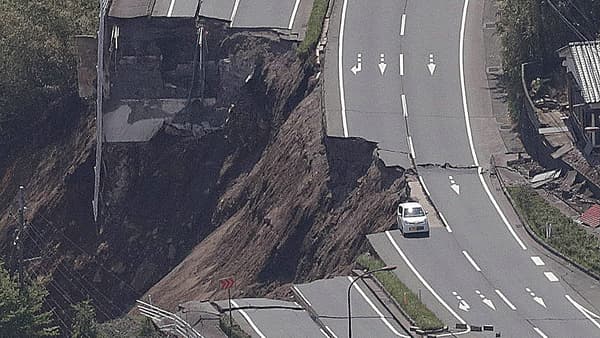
(19, 238)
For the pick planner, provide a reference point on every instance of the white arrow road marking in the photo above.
(382, 64)
(537, 260)
(471, 260)
(358, 67)
(587, 313)
(454, 186)
(485, 300)
(540, 332)
(381, 316)
(431, 64)
(551, 276)
(537, 299)
(247, 318)
(462, 304)
(503, 297)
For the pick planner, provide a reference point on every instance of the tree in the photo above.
(84, 321)
(21, 315)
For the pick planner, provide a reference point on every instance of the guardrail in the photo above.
(167, 321)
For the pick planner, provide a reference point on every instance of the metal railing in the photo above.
(167, 321)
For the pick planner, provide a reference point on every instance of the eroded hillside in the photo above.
(269, 199)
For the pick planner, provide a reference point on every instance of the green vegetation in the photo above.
(234, 331)
(315, 24)
(37, 63)
(567, 237)
(21, 315)
(84, 323)
(129, 327)
(410, 303)
(531, 30)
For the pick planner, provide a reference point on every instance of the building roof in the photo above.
(583, 61)
(592, 216)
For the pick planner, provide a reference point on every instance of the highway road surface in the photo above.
(327, 298)
(262, 318)
(419, 62)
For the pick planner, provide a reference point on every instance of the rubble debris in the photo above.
(545, 177)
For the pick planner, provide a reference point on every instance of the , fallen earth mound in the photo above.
(269, 199)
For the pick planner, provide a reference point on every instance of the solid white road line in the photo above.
(293, 14)
(423, 281)
(412, 148)
(551, 276)
(423, 185)
(330, 331)
(404, 105)
(234, 12)
(537, 261)
(540, 332)
(468, 126)
(341, 68)
(448, 228)
(587, 313)
(402, 23)
(247, 318)
(324, 333)
(501, 295)
(302, 296)
(381, 316)
(402, 65)
(471, 260)
(171, 8)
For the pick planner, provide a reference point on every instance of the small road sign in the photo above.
(226, 283)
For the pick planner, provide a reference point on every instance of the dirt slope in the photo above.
(269, 199)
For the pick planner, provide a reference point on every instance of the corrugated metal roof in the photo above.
(585, 65)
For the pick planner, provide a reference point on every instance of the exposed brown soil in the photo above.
(269, 200)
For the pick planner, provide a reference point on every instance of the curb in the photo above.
(536, 238)
(390, 299)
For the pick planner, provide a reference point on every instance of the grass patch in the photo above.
(315, 24)
(568, 237)
(234, 331)
(410, 303)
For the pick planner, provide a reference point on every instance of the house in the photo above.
(582, 62)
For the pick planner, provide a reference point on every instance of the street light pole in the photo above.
(361, 276)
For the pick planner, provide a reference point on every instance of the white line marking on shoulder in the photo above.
(537, 261)
(293, 17)
(402, 24)
(247, 318)
(540, 332)
(468, 125)
(423, 281)
(503, 297)
(551, 276)
(471, 260)
(341, 69)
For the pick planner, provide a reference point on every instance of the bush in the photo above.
(315, 25)
(21, 315)
(568, 237)
(408, 301)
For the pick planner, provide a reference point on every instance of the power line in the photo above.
(49, 223)
(71, 279)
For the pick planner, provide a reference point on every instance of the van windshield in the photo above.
(414, 212)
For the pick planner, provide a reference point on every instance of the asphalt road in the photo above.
(485, 271)
(262, 318)
(327, 298)
(370, 73)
